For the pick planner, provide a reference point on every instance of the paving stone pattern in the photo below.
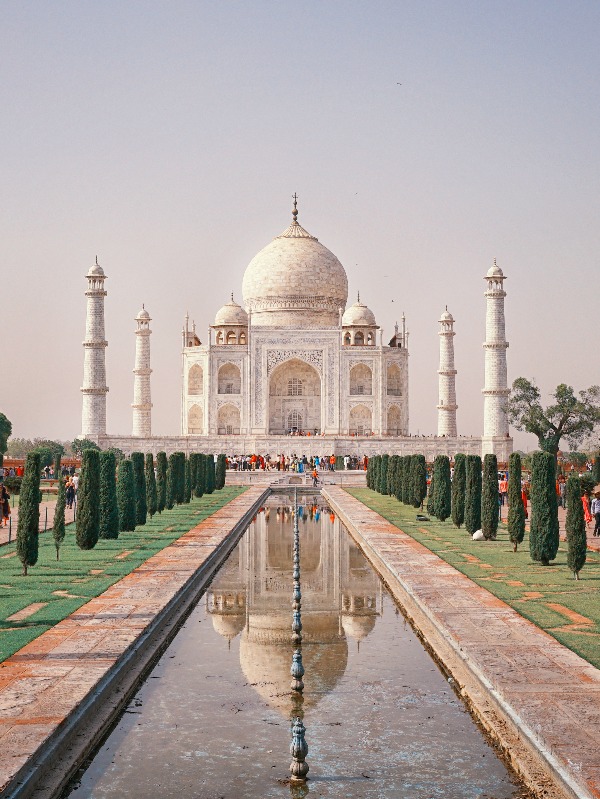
(43, 683)
(552, 693)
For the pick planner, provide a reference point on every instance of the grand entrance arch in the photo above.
(294, 398)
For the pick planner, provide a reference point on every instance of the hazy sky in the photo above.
(168, 137)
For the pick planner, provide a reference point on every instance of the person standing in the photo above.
(4, 506)
(596, 514)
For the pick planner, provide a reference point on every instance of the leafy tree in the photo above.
(58, 525)
(516, 509)
(442, 494)
(543, 529)
(209, 472)
(126, 496)
(576, 458)
(571, 417)
(151, 497)
(575, 527)
(385, 462)
(220, 472)
(5, 431)
(431, 495)
(57, 460)
(87, 519)
(139, 479)
(459, 485)
(171, 481)
(80, 445)
(489, 498)
(161, 481)
(200, 476)
(418, 480)
(187, 495)
(473, 494)
(118, 453)
(109, 510)
(29, 513)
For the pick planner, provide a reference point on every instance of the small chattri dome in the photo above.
(358, 315)
(143, 314)
(96, 270)
(446, 316)
(495, 271)
(231, 314)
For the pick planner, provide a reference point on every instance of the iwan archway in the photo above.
(294, 398)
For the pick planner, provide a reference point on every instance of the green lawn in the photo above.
(80, 575)
(546, 595)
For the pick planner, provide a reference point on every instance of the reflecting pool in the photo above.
(212, 721)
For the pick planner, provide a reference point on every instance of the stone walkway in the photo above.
(45, 522)
(43, 684)
(547, 693)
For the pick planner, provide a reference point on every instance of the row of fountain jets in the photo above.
(298, 746)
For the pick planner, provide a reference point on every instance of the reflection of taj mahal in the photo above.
(292, 358)
(251, 597)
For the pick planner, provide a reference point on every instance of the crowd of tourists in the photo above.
(294, 463)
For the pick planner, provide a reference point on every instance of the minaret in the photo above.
(142, 407)
(93, 417)
(447, 378)
(496, 391)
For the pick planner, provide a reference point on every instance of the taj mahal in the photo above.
(295, 359)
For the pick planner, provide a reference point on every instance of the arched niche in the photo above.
(195, 420)
(242, 337)
(359, 338)
(229, 379)
(294, 394)
(361, 420)
(196, 380)
(347, 339)
(220, 338)
(361, 380)
(228, 420)
(231, 337)
(394, 380)
(394, 421)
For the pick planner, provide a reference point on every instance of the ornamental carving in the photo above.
(311, 357)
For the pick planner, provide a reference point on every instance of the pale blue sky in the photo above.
(167, 138)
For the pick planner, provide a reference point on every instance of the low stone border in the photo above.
(538, 700)
(60, 694)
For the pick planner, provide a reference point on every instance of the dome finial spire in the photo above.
(232, 296)
(358, 296)
(295, 211)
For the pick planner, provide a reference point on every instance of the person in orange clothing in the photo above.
(524, 501)
(586, 510)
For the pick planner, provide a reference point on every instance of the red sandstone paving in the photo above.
(553, 692)
(41, 684)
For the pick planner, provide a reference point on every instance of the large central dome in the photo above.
(295, 282)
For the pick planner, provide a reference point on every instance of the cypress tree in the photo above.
(418, 480)
(57, 474)
(151, 497)
(139, 479)
(171, 481)
(516, 510)
(161, 481)
(188, 482)
(221, 472)
(385, 462)
(575, 527)
(442, 493)
(459, 480)
(87, 519)
(369, 472)
(489, 498)
(126, 496)
(209, 472)
(543, 529)
(29, 513)
(180, 495)
(399, 477)
(391, 475)
(58, 525)
(193, 471)
(406, 487)
(200, 472)
(431, 495)
(109, 511)
(375, 460)
(596, 469)
(473, 494)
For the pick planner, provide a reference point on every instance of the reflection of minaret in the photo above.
(447, 377)
(142, 406)
(93, 417)
(496, 391)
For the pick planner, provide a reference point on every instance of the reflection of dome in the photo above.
(295, 281)
(231, 314)
(359, 316)
(228, 625)
(358, 627)
(266, 657)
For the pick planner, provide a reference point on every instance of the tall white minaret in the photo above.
(496, 391)
(447, 378)
(142, 406)
(94, 389)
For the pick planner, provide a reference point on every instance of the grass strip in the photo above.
(62, 586)
(548, 596)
